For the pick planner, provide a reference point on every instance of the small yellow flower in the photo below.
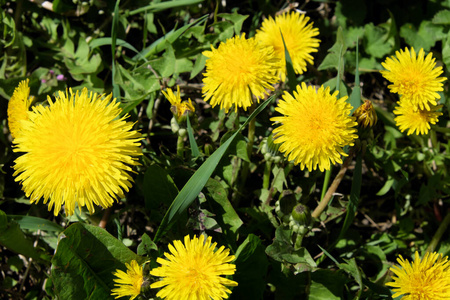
(365, 115)
(423, 279)
(76, 150)
(298, 35)
(129, 283)
(236, 70)
(193, 271)
(18, 107)
(414, 77)
(315, 127)
(178, 107)
(414, 119)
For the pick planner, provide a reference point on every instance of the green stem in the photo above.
(440, 129)
(326, 181)
(266, 175)
(180, 146)
(438, 235)
(251, 138)
(334, 185)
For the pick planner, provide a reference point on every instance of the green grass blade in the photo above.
(115, 23)
(160, 44)
(354, 196)
(198, 180)
(194, 148)
(355, 97)
(292, 79)
(108, 41)
(155, 7)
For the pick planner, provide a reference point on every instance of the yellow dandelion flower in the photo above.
(129, 283)
(76, 150)
(414, 77)
(315, 127)
(423, 279)
(414, 119)
(18, 107)
(193, 271)
(178, 107)
(236, 70)
(298, 36)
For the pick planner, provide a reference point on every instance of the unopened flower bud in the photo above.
(366, 115)
(301, 215)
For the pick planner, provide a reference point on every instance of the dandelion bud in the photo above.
(366, 115)
(301, 214)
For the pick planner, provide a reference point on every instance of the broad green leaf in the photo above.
(12, 237)
(442, 17)
(196, 183)
(251, 269)
(375, 41)
(336, 53)
(425, 37)
(35, 223)
(282, 250)
(236, 19)
(327, 285)
(84, 262)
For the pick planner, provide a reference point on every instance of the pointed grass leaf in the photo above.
(355, 96)
(292, 79)
(194, 148)
(198, 180)
(160, 6)
(84, 262)
(354, 196)
(115, 24)
(160, 44)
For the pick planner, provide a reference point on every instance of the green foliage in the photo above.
(218, 173)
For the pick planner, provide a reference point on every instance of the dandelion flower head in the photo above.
(192, 271)
(18, 107)
(129, 283)
(423, 279)
(178, 107)
(315, 126)
(414, 77)
(76, 150)
(414, 119)
(298, 35)
(236, 70)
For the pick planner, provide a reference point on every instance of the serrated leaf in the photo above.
(442, 17)
(225, 211)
